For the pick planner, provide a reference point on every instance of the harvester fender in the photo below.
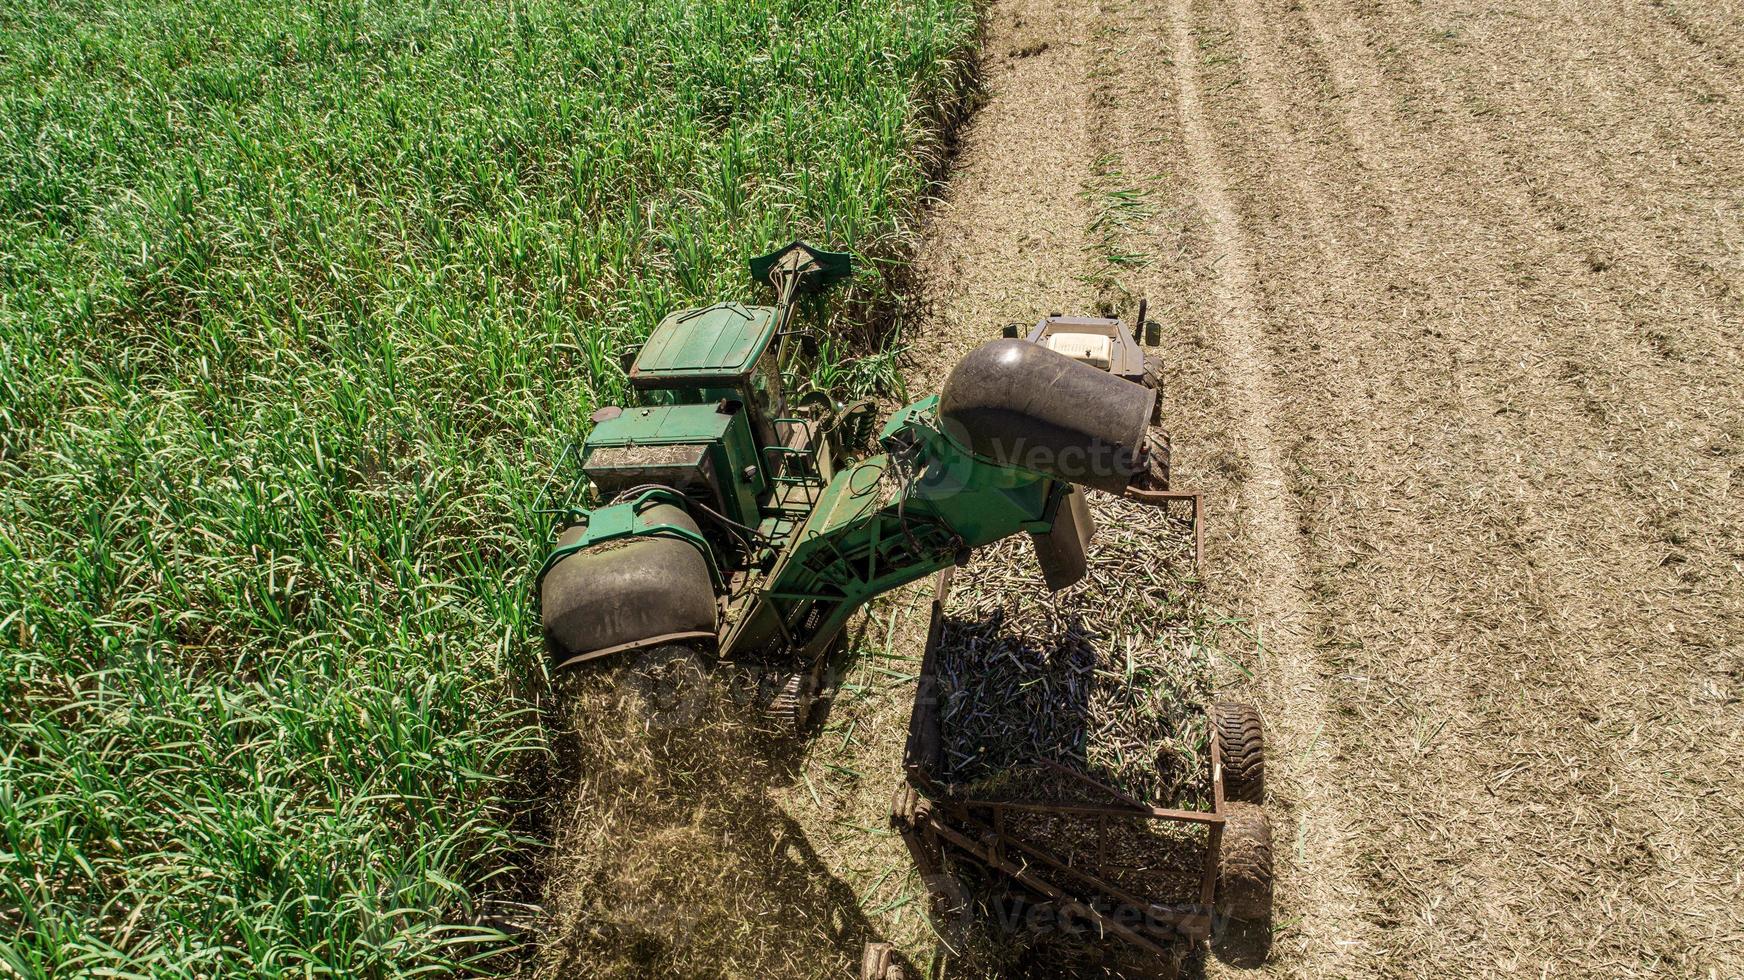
(1020, 405)
(603, 592)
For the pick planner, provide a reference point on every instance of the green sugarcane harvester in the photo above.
(742, 530)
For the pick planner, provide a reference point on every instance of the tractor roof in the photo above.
(713, 344)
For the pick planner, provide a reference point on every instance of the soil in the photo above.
(1451, 297)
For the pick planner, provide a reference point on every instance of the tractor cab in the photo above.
(1101, 342)
(709, 353)
(710, 420)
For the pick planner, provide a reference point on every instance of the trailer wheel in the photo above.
(1244, 864)
(1156, 471)
(1243, 741)
(878, 962)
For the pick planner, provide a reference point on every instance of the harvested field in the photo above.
(670, 859)
(1453, 301)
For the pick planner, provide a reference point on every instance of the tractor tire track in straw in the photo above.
(1009, 243)
(1477, 499)
(1005, 241)
(1290, 681)
(1606, 867)
(1007, 237)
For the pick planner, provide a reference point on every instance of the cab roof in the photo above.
(708, 345)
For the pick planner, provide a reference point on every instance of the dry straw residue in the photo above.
(672, 859)
(1110, 676)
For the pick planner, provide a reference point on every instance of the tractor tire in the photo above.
(612, 596)
(1244, 864)
(878, 962)
(1153, 379)
(1156, 471)
(1243, 740)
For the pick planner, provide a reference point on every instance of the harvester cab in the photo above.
(731, 529)
(736, 352)
(715, 424)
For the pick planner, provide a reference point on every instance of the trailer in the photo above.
(1089, 869)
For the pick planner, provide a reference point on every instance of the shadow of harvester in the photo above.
(669, 857)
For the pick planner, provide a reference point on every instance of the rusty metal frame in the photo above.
(935, 818)
(1162, 498)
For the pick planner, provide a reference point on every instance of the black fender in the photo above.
(627, 594)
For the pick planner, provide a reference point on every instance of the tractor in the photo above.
(735, 528)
